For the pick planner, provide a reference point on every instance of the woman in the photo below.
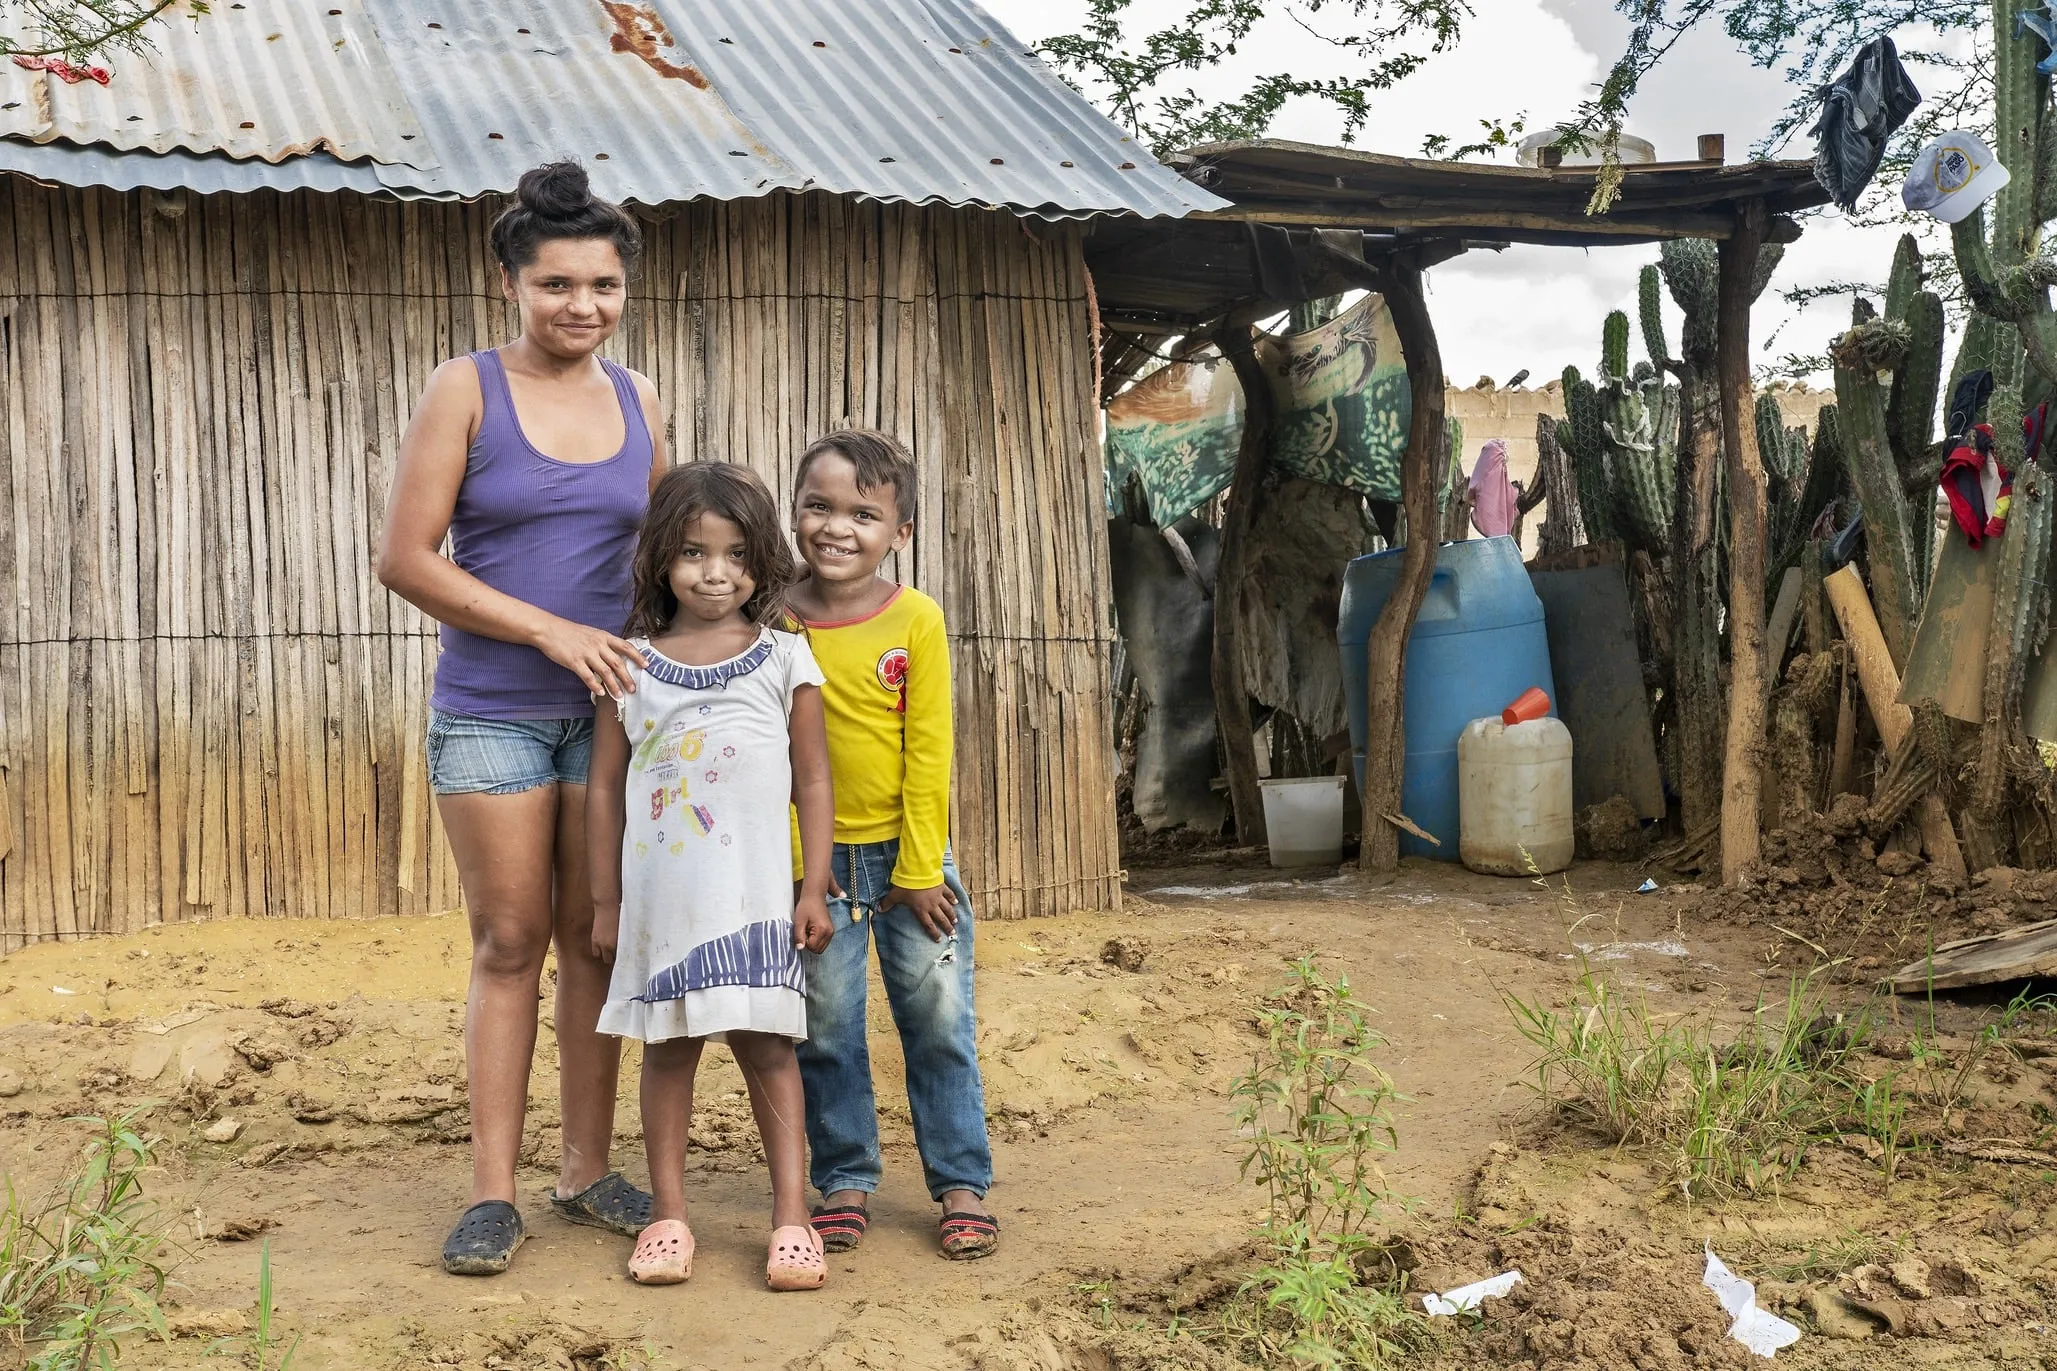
(537, 459)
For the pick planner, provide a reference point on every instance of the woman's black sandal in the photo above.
(484, 1239)
(610, 1203)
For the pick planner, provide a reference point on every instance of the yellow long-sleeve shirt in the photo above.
(887, 698)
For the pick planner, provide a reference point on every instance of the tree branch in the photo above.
(77, 29)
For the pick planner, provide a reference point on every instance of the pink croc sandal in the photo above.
(664, 1254)
(796, 1262)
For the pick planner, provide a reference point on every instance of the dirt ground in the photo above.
(336, 1049)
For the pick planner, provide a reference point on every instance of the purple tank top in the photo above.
(559, 535)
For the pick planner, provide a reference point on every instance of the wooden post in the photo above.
(1385, 677)
(1231, 696)
(1741, 777)
(1879, 681)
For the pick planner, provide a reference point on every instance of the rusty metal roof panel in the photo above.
(505, 86)
(663, 100)
(258, 79)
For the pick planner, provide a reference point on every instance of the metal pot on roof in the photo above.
(1630, 149)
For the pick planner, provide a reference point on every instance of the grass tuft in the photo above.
(1729, 1113)
(78, 1267)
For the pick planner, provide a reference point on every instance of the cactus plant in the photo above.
(1888, 429)
(1889, 525)
(1805, 476)
(1689, 269)
(1771, 441)
(1905, 277)
(2012, 333)
(1649, 313)
(1578, 434)
(1622, 436)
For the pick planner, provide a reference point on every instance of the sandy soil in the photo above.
(337, 1050)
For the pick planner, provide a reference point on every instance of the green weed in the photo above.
(78, 1268)
(1101, 1293)
(1945, 1081)
(266, 1339)
(1316, 1111)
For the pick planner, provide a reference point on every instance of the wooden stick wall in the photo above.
(208, 705)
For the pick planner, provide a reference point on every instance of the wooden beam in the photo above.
(1741, 777)
(1345, 214)
(1231, 695)
(1149, 329)
(1385, 744)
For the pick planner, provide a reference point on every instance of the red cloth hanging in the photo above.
(1977, 486)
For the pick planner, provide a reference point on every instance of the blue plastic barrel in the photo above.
(1477, 644)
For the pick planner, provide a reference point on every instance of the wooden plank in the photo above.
(2016, 954)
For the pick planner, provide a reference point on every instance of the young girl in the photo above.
(692, 847)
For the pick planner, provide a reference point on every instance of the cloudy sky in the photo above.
(1539, 308)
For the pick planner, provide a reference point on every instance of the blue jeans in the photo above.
(929, 986)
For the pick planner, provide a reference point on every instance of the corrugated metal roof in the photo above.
(203, 173)
(268, 79)
(918, 100)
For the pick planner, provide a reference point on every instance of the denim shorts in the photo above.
(471, 756)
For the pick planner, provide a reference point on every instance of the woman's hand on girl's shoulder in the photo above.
(812, 927)
(605, 663)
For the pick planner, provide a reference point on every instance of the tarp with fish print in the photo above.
(1176, 432)
(1343, 401)
(1342, 413)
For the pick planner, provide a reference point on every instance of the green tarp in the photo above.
(1176, 431)
(1342, 414)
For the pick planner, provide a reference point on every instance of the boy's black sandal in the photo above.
(483, 1242)
(967, 1237)
(840, 1227)
(610, 1203)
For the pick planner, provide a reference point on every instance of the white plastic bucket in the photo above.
(1304, 818)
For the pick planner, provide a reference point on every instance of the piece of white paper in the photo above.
(1467, 1297)
(1757, 1329)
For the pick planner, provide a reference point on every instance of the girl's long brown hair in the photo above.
(735, 493)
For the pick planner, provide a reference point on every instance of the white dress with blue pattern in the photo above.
(706, 944)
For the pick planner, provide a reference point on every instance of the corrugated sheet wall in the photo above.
(208, 706)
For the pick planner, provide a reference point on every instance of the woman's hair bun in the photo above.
(556, 201)
(556, 190)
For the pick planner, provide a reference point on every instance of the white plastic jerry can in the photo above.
(1514, 797)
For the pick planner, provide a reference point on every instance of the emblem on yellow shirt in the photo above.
(892, 673)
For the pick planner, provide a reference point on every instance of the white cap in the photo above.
(1953, 176)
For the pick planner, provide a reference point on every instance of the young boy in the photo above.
(887, 697)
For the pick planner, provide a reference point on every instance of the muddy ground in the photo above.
(335, 1049)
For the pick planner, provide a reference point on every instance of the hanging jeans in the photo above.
(929, 989)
